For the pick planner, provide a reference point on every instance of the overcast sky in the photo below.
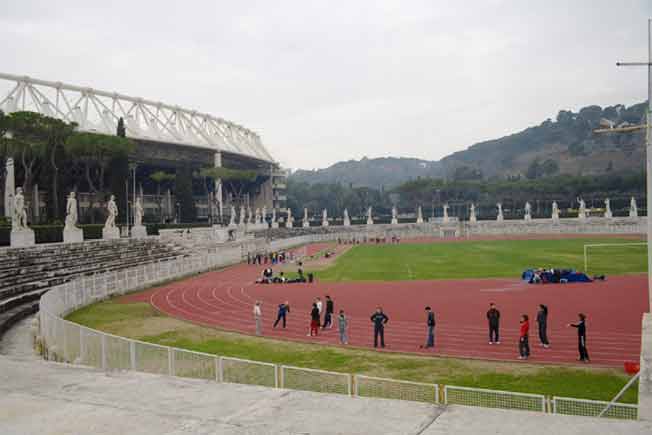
(334, 80)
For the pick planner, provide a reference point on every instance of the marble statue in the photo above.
(263, 215)
(528, 211)
(394, 216)
(582, 211)
(138, 212)
(306, 222)
(242, 216)
(72, 233)
(289, 222)
(232, 217)
(251, 216)
(555, 211)
(370, 219)
(19, 218)
(112, 210)
(607, 209)
(500, 217)
(274, 223)
(257, 219)
(71, 212)
(633, 209)
(138, 230)
(419, 215)
(110, 231)
(346, 221)
(324, 219)
(445, 218)
(21, 235)
(472, 217)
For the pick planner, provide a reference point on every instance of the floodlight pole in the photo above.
(648, 156)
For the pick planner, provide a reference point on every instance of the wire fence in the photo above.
(369, 386)
(494, 399)
(63, 340)
(593, 408)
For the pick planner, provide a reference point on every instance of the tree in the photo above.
(28, 142)
(236, 179)
(57, 133)
(121, 131)
(94, 153)
(160, 177)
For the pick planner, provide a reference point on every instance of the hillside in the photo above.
(566, 145)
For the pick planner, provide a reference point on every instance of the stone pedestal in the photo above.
(306, 224)
(22, 238)
(221, 234)
(324, 223)
(645, 381)
(370, 221)
(110, 233)
(289, 224)
(347, 222)
(394, 221)
(274, 224)
(420, 221)
(608, 215)
(138, 232)
(73, 235)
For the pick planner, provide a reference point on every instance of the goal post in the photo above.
(615, 258)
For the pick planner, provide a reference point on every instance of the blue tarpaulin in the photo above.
(558, 276)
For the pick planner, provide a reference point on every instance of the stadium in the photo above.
(154, 279)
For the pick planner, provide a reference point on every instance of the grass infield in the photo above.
(481, 259)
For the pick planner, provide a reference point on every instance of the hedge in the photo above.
(52, 233)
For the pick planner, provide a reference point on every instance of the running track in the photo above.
(224, 299)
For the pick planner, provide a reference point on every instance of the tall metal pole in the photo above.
(648, 157)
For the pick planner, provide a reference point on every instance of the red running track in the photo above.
(224, 299)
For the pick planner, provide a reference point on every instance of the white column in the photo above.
(10, 187)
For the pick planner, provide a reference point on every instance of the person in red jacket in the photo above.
(523, 341)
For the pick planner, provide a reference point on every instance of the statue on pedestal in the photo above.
(251, 216)
(112, 210)
(370, 219)
(528, 211)
(274, 223)
(306, 222)
(21, 235)
(394, 216)
(633, 209)
(263, 215)
(419, 215)
(324, 219)
(555, 212)
(290, 220)
(72, 233)
(71, 212)
(500, 217)
(19, 218)
(582, 211)
(445, 218)
(257, 218)
(472, 217)
(232, 217)
(138, 212)
(242, 216)
(607, 209)
(346, 221)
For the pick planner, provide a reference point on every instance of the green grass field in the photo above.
(481, 259)
(140, 321)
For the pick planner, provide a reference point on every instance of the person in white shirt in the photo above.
(258, 317)
(319, 305)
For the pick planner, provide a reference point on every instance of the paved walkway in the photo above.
(38, 397)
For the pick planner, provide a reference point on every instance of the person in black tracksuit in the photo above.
(493, 316)
(379, 320)
(581, 337)
(542, 321)
(328, 317)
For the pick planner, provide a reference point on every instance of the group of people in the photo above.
(493, 318)
(268, 277)
(269, 257)
(365, 239)
(321, 317)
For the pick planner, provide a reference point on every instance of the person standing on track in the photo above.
(314, 321)
(493, 316)
(581, 337)
(524, 339)
(283, 310)
(379, 319)
(258, 317)
(430, 322)
(343, 324)
(319, 305)
(542, 321)
(328, 317)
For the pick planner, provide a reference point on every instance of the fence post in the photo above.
(350, 381)
(445, 395)
(221, 368)
(171, 361)
(132, 354)
(103, 356)
(217, 369)
(82, 351)
(276, 380)
(357, 386)
(65, 341)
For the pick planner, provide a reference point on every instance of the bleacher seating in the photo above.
(27, 273)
